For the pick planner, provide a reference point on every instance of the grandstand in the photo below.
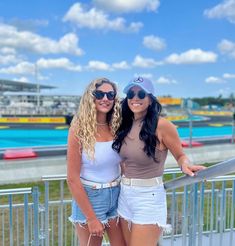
(24, 98)
(10, 85)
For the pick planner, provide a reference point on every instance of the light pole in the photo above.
(38, 88)
(189, 111)
(233, 126)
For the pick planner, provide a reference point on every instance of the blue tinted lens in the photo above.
(140, 94)
(130, 94)
(100, 95)
(111, 95)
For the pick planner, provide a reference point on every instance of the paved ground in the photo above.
(215, 239)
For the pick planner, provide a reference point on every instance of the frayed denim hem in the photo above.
(166, 229)
(82, 223)
(126, 219)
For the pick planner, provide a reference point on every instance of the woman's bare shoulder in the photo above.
(165, 125)
(162, 122)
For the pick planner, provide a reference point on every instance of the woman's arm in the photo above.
(75, 185)
(170, 139)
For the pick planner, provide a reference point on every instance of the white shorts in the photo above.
(143, 205)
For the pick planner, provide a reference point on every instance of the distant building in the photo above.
(23, 98)
(18, 86)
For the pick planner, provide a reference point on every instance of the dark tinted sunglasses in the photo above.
(100, 95)
(140, 94)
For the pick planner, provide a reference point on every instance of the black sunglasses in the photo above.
(100, 94)
(140, 94)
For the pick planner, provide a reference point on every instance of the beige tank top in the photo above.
(137, 163)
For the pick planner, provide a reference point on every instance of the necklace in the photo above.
(101, 124)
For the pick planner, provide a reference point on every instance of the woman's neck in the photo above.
(139, 116)
(101, 119)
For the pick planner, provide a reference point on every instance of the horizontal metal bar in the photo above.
(172, 170)
(16, 191)
(64, 176)
(54, 177)
(222, 178)
(221, 168)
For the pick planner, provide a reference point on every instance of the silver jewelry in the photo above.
(101, 124)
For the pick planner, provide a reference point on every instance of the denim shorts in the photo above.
(144, 205)
(104, 202)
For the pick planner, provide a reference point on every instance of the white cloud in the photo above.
(21, 79)
(165, 80)
(126, 6)
(140, 61)
(214, 80)
(192, 56)
(227, 47)
(226, 9)
(98, 65)
(63, 63)
(121, 65)
(228, 76)
(10, 37)
(154, 43)
(9, 59)
(20, 68)
(97, 19)
(7, 50)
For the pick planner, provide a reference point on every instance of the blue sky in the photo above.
(187, 48)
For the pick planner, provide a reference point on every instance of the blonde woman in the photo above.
(93, 172)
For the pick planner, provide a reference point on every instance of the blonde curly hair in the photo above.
(84, 122)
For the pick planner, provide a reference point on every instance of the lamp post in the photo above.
(38, 88)
(233, 127)
(189, 111)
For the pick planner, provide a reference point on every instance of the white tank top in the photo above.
(105, 167)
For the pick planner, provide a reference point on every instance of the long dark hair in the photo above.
(148, 130)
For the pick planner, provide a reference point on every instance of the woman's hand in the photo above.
(191, 169)
(95, 227)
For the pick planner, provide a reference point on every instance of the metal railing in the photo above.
(201, 211)
(19, 221)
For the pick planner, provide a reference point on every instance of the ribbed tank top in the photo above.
(106, 165)
(137, 163)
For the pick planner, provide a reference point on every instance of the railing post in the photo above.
(193, 215)
(232, 214)
(46, 204)
(222, 212)
(36, 216)
(185, 217)
(212, 213)
(60, 215)
(173, 200)
(26, 222)
(201, 214)
(10, 219)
